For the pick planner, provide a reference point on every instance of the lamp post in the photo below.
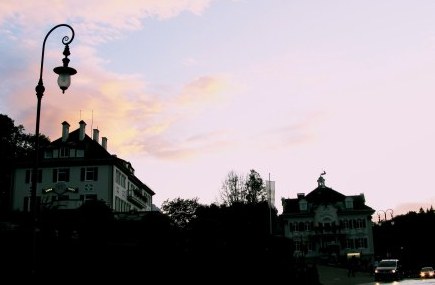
(385, 214)
(63, 81)
(391, 213)
(379, 215)
(386, 231)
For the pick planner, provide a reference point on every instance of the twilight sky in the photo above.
(189, 90)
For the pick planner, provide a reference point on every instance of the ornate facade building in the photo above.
(327, 225)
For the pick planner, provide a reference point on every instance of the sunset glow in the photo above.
(190, 90)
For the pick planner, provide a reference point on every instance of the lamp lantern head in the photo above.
(64, 71)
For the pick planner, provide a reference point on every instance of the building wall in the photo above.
(120, 193)
(106, 187)
(312, 241)
(101, 189)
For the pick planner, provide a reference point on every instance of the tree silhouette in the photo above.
(232, 189)
(238, 189)
(15, 145)
(180, 211)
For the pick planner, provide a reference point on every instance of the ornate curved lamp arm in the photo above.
(391, 212)
(66, 41)
(379, 215)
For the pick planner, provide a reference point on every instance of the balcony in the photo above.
(136, 197)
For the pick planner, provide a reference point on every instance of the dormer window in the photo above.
(303, 205)
(48, 153)
(80, 153)
(64, 152)
(348, 203)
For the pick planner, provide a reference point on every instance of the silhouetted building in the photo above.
(327, 225)
(76, 168)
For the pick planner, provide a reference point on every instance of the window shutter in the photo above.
(82, 174)
(96, 174)
(54, 175)
(28, 176)
(67, 175)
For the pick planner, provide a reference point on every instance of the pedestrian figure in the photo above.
(351, 267)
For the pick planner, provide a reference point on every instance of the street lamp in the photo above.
(385, 214)
(389, 226)
(379, 215)
(64, 82)
(391, 213)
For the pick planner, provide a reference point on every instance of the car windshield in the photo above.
(387, 263)
(427, 269)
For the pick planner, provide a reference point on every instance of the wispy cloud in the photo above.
(121, 106)
(202, 90)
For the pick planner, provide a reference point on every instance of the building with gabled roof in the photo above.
(328, 225)
(76, 168)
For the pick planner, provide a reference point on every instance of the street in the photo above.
(330, 275)
(414, 281)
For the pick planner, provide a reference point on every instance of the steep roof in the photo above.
(323, 195)
(92, 148)
(95, 154)
(95, 151)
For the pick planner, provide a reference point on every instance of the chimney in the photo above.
(104, 142)
(65, 131)
(96, 135)
(82, 130)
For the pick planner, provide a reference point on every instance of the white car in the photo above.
(427, 272)
(388, 269)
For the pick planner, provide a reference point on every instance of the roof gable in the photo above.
(92, 148)
(323, 195)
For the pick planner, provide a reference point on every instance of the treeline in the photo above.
(219, 243)
(408, 237)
